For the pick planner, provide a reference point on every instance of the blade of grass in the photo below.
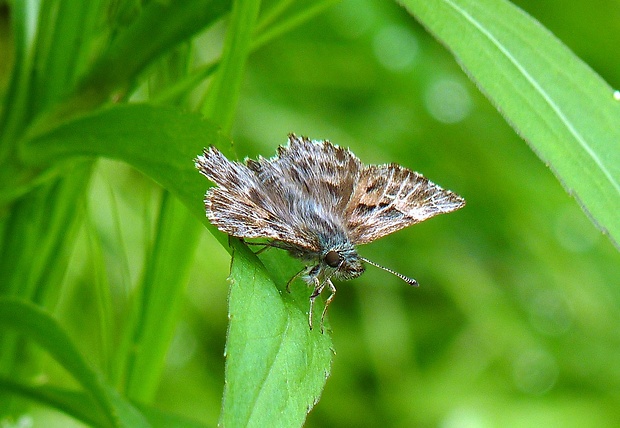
(103, 297)
(162, 142)
(162, 290)
(221, 101)
(146, 39)
(65, 33)
(36, 246)
(295, 19)
(16, 102)
(73, 403)
(82, 407)
(558, 104)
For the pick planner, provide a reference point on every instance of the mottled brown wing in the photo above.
(388, 198)
(309, 184)
(317, 171)
(238, 205)
(298, 197)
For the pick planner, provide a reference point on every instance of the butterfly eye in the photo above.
(332, 258)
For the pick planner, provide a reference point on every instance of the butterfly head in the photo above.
(345, 261)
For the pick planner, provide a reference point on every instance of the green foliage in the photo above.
(113, 283)
(42, 329)
(554, 101)
(276, 365)
(140, 135)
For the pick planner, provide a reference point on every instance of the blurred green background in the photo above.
(516, 320)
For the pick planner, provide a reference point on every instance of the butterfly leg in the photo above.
(318, 287)
(265, 245)
(332, 291)
(297, 275)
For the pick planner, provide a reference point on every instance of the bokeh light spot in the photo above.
(448, 100)
(535, 372)
(395, 47)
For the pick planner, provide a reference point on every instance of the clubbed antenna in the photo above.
(408, 280)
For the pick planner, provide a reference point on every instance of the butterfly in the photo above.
(317, 201)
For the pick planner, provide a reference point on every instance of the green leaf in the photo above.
(558, 104)
(41, 328)
(159, 141)
(275, 365)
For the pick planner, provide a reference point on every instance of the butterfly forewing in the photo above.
(241, 205)
(388, 198)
